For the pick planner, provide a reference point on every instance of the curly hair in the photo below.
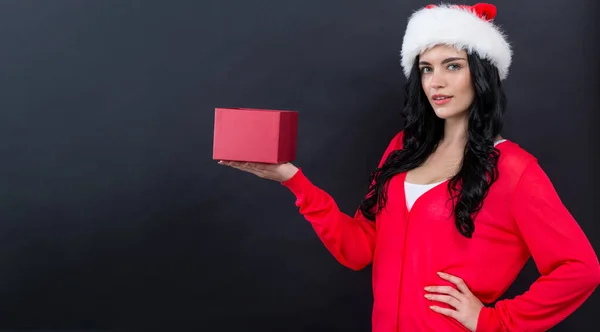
(423, 131)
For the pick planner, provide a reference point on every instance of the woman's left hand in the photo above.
(467, 306)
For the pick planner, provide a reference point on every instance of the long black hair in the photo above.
(423, 131)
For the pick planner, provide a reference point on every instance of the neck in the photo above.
(455, 131)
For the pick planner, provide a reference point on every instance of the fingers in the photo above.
(446, 290)
(460, 284)
(230, 163)
(253, 168)
(444, 311)
(450, 300)
(243, 166)
(464, 306)
(277, 172)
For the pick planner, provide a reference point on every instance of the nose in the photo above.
(437, 80)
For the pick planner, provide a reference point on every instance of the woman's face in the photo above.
(446, 80)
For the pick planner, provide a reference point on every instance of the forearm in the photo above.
(568, 264)
(549, 300)
(349, 239)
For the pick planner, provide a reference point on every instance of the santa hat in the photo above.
(464, 27)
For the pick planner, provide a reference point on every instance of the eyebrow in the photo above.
(443, 62)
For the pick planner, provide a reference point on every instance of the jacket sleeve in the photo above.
(564, 257)
(350, 239)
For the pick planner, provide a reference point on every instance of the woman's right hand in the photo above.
(276, 172)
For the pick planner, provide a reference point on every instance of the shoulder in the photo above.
(394, 144)
(396, 141)
(514, 160)
(513, 155)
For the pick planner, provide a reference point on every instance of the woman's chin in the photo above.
(444, 112)
(447, 112)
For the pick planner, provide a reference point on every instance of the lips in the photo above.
(440, 97)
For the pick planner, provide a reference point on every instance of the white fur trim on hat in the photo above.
(458, 27)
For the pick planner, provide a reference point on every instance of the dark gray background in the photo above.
(113, 213)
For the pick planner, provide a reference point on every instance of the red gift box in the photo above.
(255, 135)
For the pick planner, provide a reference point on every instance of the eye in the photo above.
(454, 66)
(425, 70)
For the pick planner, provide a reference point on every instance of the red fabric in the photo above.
(485, 11)
(522, 217)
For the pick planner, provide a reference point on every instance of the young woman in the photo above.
(454, 210)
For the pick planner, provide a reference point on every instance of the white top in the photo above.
(413, 191)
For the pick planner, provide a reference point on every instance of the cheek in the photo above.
(425, 84)
(467, 91)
